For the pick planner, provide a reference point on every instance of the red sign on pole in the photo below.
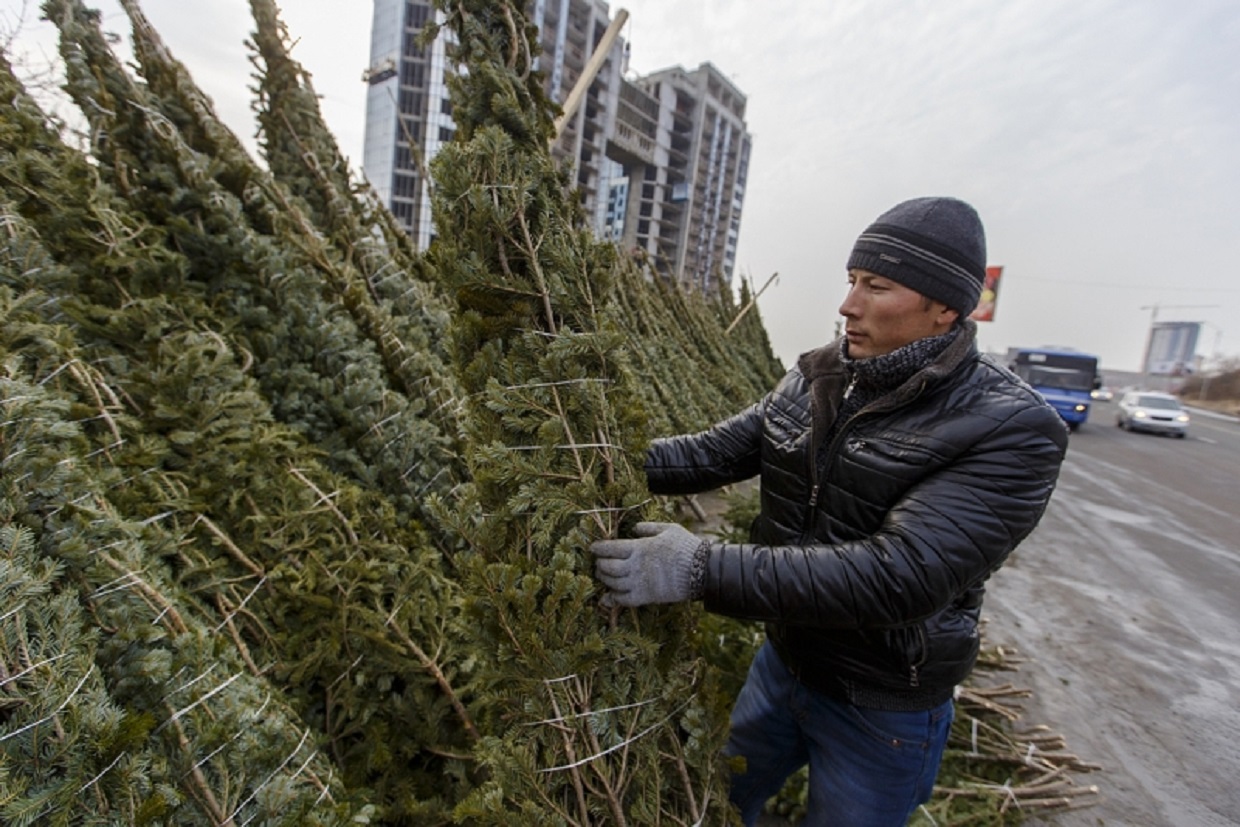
(985, 311)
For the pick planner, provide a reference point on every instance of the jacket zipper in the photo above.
(914, 676)
(807, 530)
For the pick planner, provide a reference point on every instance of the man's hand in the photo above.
(657, 566)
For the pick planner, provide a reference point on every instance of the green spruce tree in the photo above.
(590, 716)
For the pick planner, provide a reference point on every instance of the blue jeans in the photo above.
(867, 768)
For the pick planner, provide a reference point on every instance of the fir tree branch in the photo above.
(531, 251)
(254, 793)
(440, 678)
(326, 499)
(87, 379)
(186, 710)
(244, 650)
(612, 788)
(158, 600)
(617, 813)
(609, 467)
(230, 546)
(103, 772)
(200, 788)
(512, 37)
(54, 712)
(569, 750)
(682, 769)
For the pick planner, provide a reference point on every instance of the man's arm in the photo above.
(726, 453)
(662, 562)
(948, 533)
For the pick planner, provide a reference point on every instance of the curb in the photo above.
(1209, 414)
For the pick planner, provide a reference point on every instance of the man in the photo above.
(898, 470)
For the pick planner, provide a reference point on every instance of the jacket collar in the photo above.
(826, 362)
(827, 379)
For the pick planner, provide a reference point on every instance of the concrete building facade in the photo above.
(686, 195)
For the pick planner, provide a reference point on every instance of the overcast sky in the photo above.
(1099, 140)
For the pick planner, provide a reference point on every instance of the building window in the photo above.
(416, 15)
(403, 210)
(412, 73)
(410, 102)
(404, 186)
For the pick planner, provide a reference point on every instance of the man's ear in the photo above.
(945, 315)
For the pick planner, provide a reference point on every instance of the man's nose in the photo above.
(847, 306)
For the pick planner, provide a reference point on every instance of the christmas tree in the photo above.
(593, 716)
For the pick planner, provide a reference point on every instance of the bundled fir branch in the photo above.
(303, 156)
(704, 334)
(694, 372)
(589, 717)
(152, 312)
(118, 703)
(294, 139)
(306, 575)
(341, 372)
(746, 341)
(675, 391)
(997, 768)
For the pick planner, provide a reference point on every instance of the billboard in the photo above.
(1172, 348)
(985, 311)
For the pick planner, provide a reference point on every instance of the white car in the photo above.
(1160, 413)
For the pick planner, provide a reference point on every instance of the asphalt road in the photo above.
(1126, 602)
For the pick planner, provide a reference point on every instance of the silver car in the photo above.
(1160, 413)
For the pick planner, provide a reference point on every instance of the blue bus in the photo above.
(1063, 377)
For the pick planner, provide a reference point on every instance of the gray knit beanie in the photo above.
(935, 246)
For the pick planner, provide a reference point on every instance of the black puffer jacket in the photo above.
(869, 570)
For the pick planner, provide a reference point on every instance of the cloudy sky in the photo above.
(1100, 140)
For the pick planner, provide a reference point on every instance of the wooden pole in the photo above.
(752, 302)
(587, 76)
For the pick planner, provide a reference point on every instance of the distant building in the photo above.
(682, 139)
(408, 113)
(570, 31)
(659, 162)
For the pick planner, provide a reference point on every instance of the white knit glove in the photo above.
(662, 564)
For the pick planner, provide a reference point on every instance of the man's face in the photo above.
(882, 315)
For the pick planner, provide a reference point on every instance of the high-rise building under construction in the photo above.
(659, 161)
